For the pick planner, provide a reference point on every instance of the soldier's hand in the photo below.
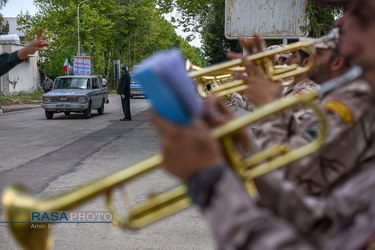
(187, 149)
(260, 89)
(34, 46)
(122, 96)
(254, 45)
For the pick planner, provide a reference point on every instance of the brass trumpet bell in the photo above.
(191, 66)
(264, 63)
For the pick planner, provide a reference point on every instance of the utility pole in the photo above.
(79, 41)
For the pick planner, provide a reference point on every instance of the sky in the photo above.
(14, 7)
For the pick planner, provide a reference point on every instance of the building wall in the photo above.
(22, 78)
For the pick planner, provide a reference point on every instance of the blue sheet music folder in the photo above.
(162, 98)
(170, 90)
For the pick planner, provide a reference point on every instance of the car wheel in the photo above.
(87, 112)
(67, 112)
(101, 109)
(49, 114)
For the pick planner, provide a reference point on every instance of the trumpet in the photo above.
(190, 66)
(209, 75)
(19, 203)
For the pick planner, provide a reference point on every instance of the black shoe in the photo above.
(126, 119)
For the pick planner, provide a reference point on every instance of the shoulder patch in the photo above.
(341, 109)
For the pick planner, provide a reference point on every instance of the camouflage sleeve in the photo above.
(294, 221)
(273, 130)
(340, 221)
(241, 101)
(238, 223)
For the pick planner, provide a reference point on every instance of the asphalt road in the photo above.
(59, 155)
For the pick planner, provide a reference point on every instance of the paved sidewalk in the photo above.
(17, 107)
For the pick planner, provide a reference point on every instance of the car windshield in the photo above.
(71, 83)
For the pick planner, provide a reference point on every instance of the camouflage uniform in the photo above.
(343, 220)
(271, 130)
(303, 87)
(348, 145)
(240, 101)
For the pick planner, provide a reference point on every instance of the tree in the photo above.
(4, 25)
(321, 19)
(113, 29)
(206, 17)
(3, 3)
(215, 45)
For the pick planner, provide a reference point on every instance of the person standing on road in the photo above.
(9, 61)
(105, 83)
(123, 89)
(47, 84)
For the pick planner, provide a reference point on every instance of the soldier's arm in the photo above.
(298, 221)
(342, 218)
(120, 88)
(8, 61)
(237, 222)
(127, 85)
(272, 130)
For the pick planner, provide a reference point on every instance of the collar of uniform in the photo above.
(292, 86)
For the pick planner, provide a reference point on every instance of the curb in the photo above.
(18, 107)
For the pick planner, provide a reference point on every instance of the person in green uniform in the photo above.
(123, 89)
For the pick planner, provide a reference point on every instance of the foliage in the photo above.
(215, 45)
(321, 19)
(3, 3)
(114, 29)
(206, 17)
(194, 15)
(21, 98)
(53, 66)
(4, 25)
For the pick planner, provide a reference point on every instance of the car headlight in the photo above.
(47, 99)
(82, 99)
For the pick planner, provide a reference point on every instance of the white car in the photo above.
(77, 93)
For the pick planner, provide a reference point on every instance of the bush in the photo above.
(22, 98)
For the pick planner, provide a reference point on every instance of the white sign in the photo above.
(82, 65)
(269, 18)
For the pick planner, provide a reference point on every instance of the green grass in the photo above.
(22, 98)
